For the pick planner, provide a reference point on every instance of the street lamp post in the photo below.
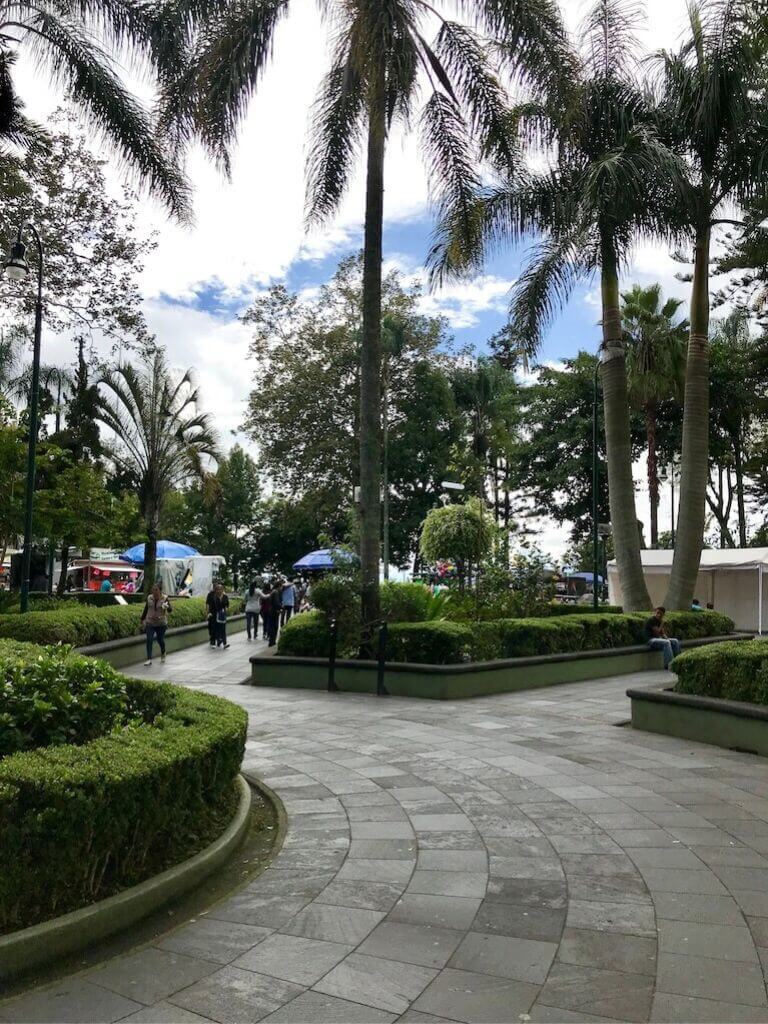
(595, 535)
(669, 474)
(17, 268)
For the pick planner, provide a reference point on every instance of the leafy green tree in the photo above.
(159, 436)
(13, 451)
(606, 188)
(79, 46)
(373, 82)
(716, 116)
(656, 344)
(303, 412)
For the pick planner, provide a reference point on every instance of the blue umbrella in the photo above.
(165, 549)
(325, 558)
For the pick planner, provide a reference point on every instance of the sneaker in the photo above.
(212, 644)
(249, 639)
(147, 662)
(162, 659)
(226, 647)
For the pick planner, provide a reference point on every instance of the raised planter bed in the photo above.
(732, 724)
(456, 682)
(23, 950)
(130, 649)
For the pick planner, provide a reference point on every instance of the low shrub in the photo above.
(431, 643)
(79, 823)
(404, 602)
(556, 608)
(731, 671)
(305, 636)
(80, 625)
(52, 696)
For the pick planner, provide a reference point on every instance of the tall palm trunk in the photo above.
(150, 550)
(653, 470)
(618, 445)
(694, 470)
(61, 586)
(370, 359)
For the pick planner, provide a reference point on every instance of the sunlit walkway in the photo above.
(503, 859)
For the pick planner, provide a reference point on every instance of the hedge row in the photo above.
(81, 625)
(445, 643)
(732, 671)
(79, 823)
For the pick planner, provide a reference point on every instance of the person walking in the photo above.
(656, 635)
(252, 610)
(288, 599)
(275, 611)
(220, 608)
(265, 604)
(210, 607)
(154, 618)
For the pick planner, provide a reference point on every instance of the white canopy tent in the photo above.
(734, 580)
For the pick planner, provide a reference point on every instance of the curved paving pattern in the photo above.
(513, 858)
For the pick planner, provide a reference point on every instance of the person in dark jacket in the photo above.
(275, 610)
(217, 603)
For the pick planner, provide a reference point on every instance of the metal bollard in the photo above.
(381, 690)
(332, 687)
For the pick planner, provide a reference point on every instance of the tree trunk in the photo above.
(694, 469)
(618, 445)
(150, 552)
(653, 470)
(61, 586)
(738, 463)
(370, 359)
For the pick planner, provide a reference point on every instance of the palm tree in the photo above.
(160, 436)
(713, 98)
(655, 368)
(380, 60)
(607, 186)
(77, 44)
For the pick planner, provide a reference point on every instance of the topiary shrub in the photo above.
(305, 636)
(405, 602)
(731, 671)
(51, 696)
(79, 823)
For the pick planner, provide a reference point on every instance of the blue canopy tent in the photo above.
(325, 558)
(165, 549)
(587, 576)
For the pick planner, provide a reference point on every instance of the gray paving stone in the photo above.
(556, 1015)
(383, 849)
(211, 939)
(334, 924)
(293, 958)
(74, 1001)
(527, 892)
(694, 907)
(525, 867)
(359, 869)
(625, 997)
(631, 954)
(453, 860)
(268, 911)
(665, 857)
(522, 922)
(681, 881)
(703, 1011)
(721, 941)
(427, 945)
(476, 998)
(386, 984)
(706, 978)
(626, 918)
(233, 996)
(294, 882)
(652, 838)
(316, 1008)
(163, 1013)
(150, 974)
(363, 895)
(471, 884)
(504, 956)
(441, 911)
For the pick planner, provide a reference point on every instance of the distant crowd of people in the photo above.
(272, 603)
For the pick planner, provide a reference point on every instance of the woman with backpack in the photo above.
(154, 619)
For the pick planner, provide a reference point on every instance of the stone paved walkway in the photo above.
(505, 859)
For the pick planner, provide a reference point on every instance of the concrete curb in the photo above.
(130, 649)
(41, 943)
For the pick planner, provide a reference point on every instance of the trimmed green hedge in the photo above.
(445, 643)
(79, 823)
(731, 671)
(555, 608)
(81, 625)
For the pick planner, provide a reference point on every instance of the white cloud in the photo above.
(462, 301)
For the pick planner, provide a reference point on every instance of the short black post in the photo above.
(381, 690)
(332, 687)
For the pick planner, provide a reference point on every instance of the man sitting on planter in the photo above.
(656, 635)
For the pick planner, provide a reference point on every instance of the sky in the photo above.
(249, 232)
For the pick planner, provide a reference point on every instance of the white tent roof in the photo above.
(719, 558)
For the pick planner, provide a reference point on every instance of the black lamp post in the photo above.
(17, 268)
(595, 534)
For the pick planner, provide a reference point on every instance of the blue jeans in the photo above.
(252, 623)
(152, 633)
(669, 647)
